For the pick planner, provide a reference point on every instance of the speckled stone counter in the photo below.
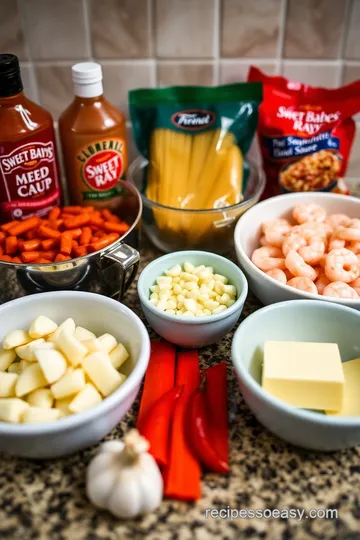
(47, 499)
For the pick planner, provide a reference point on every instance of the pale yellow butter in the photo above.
(304, 375)
(351, 403)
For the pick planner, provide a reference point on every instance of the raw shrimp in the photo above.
(303, 284)
(313, 251)
(275, 230)
(263, 241)
(354, 247)
(321, 283)
(335, 243)
(338, 289)
(293, 242)
(278, 274)
(356, 285)
(342, 265)
(268, 257)
(309, 212)
(338, 220)
(298, 267)
(312, 228)
(351, 232)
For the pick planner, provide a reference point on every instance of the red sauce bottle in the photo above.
(29, 177)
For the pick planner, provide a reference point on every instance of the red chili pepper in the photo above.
(155, 427)
(199, 435)
(217, 408)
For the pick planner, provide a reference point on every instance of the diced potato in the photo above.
(7, 384)
(103, 375)
(24, 365)
(12, 409)
(118, 356)
(74, 351)
(42, 398)
(30, 379)
(108, 342)
(82, 334)
(70, 383)
(53, 364)
(6, 358)
(38, 414)
(42, 326)
(92, 345)
(47, 345)
(15, 338)
(25, 352)
(68, 325)
(15, 368)
(63, 404)
(88, 397)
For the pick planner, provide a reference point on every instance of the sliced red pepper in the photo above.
(159, 378)
(199, 434)
(155, 427)
(182, 475)
(217, 409)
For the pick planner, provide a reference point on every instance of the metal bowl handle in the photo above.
(128, 259)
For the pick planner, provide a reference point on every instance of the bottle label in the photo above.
(29, 183)
(102, 166)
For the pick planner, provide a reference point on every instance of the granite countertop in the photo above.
(47, 499)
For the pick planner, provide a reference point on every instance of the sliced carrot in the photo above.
(30, 235)
(77, 221)
(79, 251)
(217, 409)
(54, 213)
(159, 377)
(46, 232)
(2, 237)
(29, 245)
(16, 260)
(182, 476)
(103, 242)
(1, 250)
(8, 225)
(65, 243)
(109, 216)
(55, 223)
(120, 228)
(49, 243)
(41, 260)
(11, 245)
(60, 257)
(74, 244)
(5, 258)
(97, 221)
(71, 209)
(75, 233)
(24, 226)
(50, 254)
(30, 256)
(85, 236)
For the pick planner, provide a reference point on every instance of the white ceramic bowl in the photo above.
(192, 331)
(247, 235)
(99, 314)
(298, 320)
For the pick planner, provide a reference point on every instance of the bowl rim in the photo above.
(204, 319)
(120, 394)
(271, 281)
(255, 387)
(142, 161)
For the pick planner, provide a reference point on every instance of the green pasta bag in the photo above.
(195, 139)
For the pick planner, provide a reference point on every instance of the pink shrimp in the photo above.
(354, 247)
(356, 285)
(321, 283)
(278, 274)
(293, 242)
(303, 284)
(313, 251)
(275, 230)
(338, 220)
(263, 241)
(268, 257)
(335, 243)
(351, 232)
(339, 289)
(342, 265)
(298, 267)
(309, 212)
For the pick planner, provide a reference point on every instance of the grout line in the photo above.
(343, 39)
(87, 24)
(216, 43)
(151, 30)
(30, 63)
(281, 37)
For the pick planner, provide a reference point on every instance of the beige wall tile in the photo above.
(170, 74)
(28, 80)
(313, 28)
(184, 29)
(55, 29)
(352, 46)
(120, 78)
(120, 28)
(11, 34)
(55, 88)
(351, 73)
(353, 169)
(315, 75)
(237, 71)
(250, 28)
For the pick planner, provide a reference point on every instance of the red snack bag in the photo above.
(305, 134)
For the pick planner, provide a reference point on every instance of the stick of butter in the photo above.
(304, 375)
(351, 403)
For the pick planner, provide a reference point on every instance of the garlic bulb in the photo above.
(123, 478)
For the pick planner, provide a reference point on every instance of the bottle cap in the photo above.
(87, 79)
(10, 78)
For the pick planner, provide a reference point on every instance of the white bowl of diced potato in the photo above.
(71, 364)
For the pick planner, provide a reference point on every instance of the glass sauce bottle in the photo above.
(93, 140)
(29, 179)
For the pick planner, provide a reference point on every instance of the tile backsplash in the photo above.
(165, 42)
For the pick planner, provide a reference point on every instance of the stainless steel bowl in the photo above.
(109, 271)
